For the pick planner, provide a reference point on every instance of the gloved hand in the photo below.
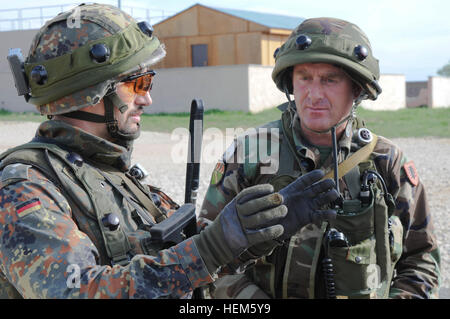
(304, 198)
(250, 218)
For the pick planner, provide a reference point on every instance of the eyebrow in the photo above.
(334, 74)
(326, 74)
(300, 71)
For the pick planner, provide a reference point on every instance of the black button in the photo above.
(303, 42)
(361, 52)
(39, 74)
(75, 158)
(146, 28)
(99, 53)
(306, 164)
(111, 221)
(276, 53)
(156, 199)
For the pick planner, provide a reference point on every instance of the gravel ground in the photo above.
(164, 156)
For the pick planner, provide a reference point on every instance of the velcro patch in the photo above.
(14, 173)
(28, 207)
(411, 173)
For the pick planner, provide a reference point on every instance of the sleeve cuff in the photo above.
(193, 264)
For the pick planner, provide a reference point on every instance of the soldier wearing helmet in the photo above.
(74, 221)
(381, 242)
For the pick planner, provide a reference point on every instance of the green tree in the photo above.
(445, 70)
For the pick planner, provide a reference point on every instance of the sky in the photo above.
(410, 37)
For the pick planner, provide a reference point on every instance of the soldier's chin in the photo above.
(130, 133)
(134, 134)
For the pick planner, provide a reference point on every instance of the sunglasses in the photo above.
(139, 83)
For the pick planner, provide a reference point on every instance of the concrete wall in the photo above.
(439, 91)
(416, 93)
(393, 96)
(247, 88)
(9, 99)
(263, 93)
(434, 93)
(220, 87)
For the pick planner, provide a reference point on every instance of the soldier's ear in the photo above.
(357, 90)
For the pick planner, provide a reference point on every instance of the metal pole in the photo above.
(119, 4)
(335, 159)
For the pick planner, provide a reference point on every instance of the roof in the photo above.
(273, 21)
(267, 19)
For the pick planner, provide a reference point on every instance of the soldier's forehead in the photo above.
(318, 67)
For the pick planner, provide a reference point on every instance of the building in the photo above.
(237, 46)
(433, 93)
(209, 36)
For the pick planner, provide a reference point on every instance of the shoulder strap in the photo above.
(143, 198)
(356, 158)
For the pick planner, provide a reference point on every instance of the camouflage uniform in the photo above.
(410, 268)
(44, 232)
(74, 223)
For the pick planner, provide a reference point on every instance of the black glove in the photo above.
(250, 218)
(305, 198)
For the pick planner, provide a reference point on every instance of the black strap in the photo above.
(86, 116)
(109, 119)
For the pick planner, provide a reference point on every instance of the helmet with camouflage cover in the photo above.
(76, 56)
(329, 40)
(76, 59)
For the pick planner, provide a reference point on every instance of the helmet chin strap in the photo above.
(110, 100)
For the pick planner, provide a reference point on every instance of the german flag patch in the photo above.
(28, 207)
(411, 173)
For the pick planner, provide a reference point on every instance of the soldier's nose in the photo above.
(143, 100)
(315, 92)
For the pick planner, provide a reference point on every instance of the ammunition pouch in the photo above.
(354, 265)
(364, 268)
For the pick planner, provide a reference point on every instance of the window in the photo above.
(199, 54)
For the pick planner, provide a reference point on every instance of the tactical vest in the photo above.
(363, 269)
(86, 187)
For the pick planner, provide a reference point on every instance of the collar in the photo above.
(308, 153)
(89, 146)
